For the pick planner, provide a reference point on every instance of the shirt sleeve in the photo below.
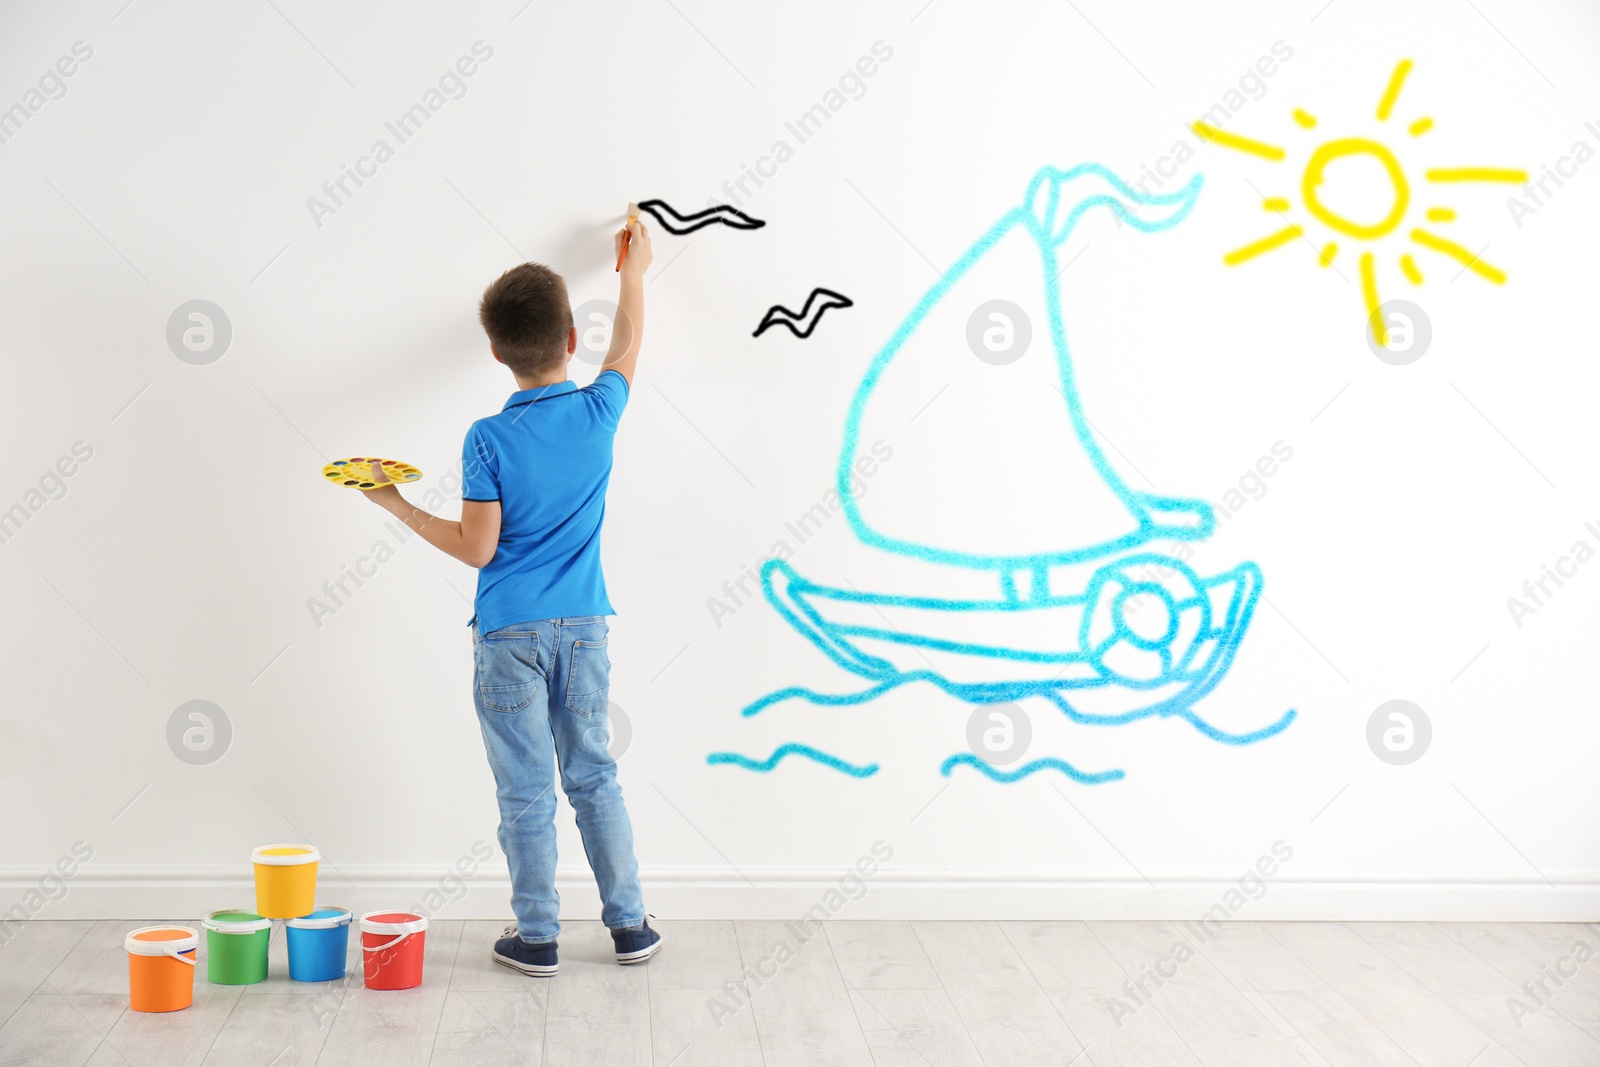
(609, 393)
(480, 467)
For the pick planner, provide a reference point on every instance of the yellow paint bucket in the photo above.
(286, 880)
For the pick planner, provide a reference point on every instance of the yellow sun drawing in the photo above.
(1364, 230)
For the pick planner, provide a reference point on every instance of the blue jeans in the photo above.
(542, 689)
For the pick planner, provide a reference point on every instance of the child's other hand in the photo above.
(638, 257)
(386, 487)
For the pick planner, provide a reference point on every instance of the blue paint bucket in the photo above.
(318, 944)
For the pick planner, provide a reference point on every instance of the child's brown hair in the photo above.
(528, 319)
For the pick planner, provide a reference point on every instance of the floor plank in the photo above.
(33, 950)
(481, 1028)
(1412, 1016)
(475, 970)
(394, 1027)
(1337, 1032)
(695, 955)
(178, 1038)
(1064, 955)
(1112, 1038)
(880, 955)
(1433, 957)
(1509, 948)
(1251, 958)
(1221, 1026)
(283, 1030)
(1543, 1037)
(1174, 976)
(803, 1013)
(687, 1031)
(913, 1027)
(98, 963)
(1307, 1050)
(1002, 1006)
(595, 1012)
(1172, 970)
(49, 1029)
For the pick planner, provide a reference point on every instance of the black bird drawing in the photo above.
(778, 315)
(676, 223)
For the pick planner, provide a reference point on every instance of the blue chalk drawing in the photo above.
(834, 762)
(1146, 635)
(1087, 778)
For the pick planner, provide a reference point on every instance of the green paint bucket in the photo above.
(236, 947)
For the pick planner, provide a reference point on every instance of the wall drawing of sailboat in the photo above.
(1140, 633)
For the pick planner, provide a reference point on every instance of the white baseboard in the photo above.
(783, 893)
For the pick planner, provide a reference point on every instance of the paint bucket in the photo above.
(286, 880)
(236, 947)
(161, 967)
(391, 948)
(318, 944)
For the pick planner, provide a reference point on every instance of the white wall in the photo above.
(179, 563)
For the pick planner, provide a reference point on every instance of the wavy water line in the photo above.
(1031, 767)
(811, 696)
(1167, 709)
(765, 766)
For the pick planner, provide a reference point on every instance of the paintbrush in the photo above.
(627, 237)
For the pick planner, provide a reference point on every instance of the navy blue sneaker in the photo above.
(635, 944)
(536, 960)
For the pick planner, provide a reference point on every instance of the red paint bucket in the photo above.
(392, 944)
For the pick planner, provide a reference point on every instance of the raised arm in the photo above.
(628, 330)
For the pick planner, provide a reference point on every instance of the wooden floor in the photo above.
(1008, 994)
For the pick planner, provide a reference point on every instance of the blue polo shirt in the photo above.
(547, 458)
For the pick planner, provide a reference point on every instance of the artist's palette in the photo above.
(356, 472)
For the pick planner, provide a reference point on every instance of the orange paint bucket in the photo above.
(161, 967)
(286, 880)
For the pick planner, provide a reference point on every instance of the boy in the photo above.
(534, 480)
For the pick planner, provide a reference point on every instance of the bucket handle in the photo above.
(181, 958)
(387, 945)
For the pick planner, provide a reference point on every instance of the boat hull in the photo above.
(996, 650)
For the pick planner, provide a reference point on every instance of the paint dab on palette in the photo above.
(778, 315)
(766, 765)
(355, 472)
(679, 224)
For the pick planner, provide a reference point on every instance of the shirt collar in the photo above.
(528, 396)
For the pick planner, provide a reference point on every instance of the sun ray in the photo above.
(1266, 244)
(1392, 93)
(1477, 174)
(1240, 144)
(1421, 126)
(1275, 203)
(1409, 265)
(1460, 255)
(1441, 214)
(1329, 250)
(1305, 118)
(1369, 292)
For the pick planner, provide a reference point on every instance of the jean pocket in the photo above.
(589, 677)
(508, 671)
